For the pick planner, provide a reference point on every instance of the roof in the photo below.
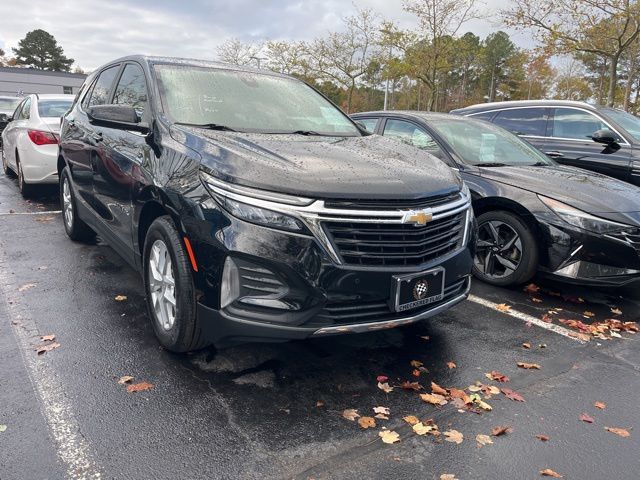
(409, 113)
(36, 71)
(53, 96)
(523, 103)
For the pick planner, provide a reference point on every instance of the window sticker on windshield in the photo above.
(488, 148)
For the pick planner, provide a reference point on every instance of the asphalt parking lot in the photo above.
(276, 411)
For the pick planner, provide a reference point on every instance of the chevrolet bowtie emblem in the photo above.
(417, 218)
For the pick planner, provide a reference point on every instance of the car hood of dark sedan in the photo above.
(323, 167)
(588, 191)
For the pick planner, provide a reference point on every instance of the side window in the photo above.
(484, 115)
(523, 121)
(572, 123)
(410, 133)
(132, 89)
(100, 93)
(369, 123)
(25, 114)
(17, 115)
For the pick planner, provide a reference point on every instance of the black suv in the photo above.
(255, 209)
(601, 139)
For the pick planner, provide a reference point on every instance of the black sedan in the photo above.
(533, 214)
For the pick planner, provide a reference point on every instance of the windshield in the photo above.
(477, 142)
(53, 108)
(627, 121)
(247, 101)
(9, 103)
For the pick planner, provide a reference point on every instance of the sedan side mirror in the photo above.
(122, 117)
(605, 136)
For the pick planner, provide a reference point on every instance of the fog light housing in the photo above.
(230, 285)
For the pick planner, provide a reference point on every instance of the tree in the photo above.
(39, 49)
(236, 52)
(440, 21)
(498, 48)
(605, 28)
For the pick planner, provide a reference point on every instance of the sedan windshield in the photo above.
(627, 121)
(247, 101)
(480, 143)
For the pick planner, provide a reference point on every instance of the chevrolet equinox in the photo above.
(254, 208)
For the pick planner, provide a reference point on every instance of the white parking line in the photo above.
(51, 212)
(72, 447)
(552, 327)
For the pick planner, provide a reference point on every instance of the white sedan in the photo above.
(30, 140)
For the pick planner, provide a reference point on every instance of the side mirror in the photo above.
(122, 117)
(605, 136)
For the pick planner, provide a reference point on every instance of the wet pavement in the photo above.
(275, 410)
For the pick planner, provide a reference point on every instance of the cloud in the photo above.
(94, 31)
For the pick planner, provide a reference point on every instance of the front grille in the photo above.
(396, 244)
(433, 201)
(379, 311)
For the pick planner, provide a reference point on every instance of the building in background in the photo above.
(16, 81)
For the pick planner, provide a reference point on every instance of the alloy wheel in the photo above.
(498, 249)
(162, 285)
(67, 204)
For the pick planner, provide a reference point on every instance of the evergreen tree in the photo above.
(39, 49)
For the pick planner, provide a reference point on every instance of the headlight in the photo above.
(260, 216)
(581, 219)
(465, 190)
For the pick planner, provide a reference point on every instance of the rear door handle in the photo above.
(554, 154)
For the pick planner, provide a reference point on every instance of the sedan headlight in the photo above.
(581, 219)
(261, 216)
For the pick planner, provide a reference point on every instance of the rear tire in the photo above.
(506, 250)
(76, 229)
(170, 290)
(25, 189)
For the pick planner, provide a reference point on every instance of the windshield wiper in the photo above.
(491, 164)
(306, 132)
(540, 164)
(208, 126)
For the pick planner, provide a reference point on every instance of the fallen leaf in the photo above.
(381, 378)
(389, 436)
(543, 438)
(503, 307)
(47, 338)
(600, 405)
(529, 366)
(483, 440)
(385, 387)
(536, 300)
(425, 337)
(547, 472)
(422, 429)
(532, 288)
(42, 349)
(615, 334)
(366, 422)
(411, 386)
(547, 318)
(618, 431)
(451, 365)
(319, 404)
(26, 286)
(497, 376)
(542, 345)
(139, 387)
(125, 379)
(411, 419)
(616, 311)
(415, 372)
(2, 428)
(350, 414)
(484, 405)
(526, 345)
(437, 389)
(474, 388)
(433, 399)
(120, 298)
(416, 363)
(586, 418)
(454, 436)
(512, 395)
(381, 416)
(501, 430)
(448, 476)
(382, 410)
(588, 314)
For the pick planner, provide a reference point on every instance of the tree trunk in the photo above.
(631, 76)
(353, 86)
(613, 81)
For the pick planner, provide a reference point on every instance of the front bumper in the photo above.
(322, 298)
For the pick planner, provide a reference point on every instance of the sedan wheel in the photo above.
(506, 250)
(67, 203)
(162, 285)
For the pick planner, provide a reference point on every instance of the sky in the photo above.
(93, 32)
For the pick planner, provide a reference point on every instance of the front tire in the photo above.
(76, 229)
(506, 250)
(170, 290)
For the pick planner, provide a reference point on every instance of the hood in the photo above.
(588, 191)
(370, 167)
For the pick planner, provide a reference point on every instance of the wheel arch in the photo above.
(153, 204)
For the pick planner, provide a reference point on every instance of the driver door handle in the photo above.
(554, 154)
